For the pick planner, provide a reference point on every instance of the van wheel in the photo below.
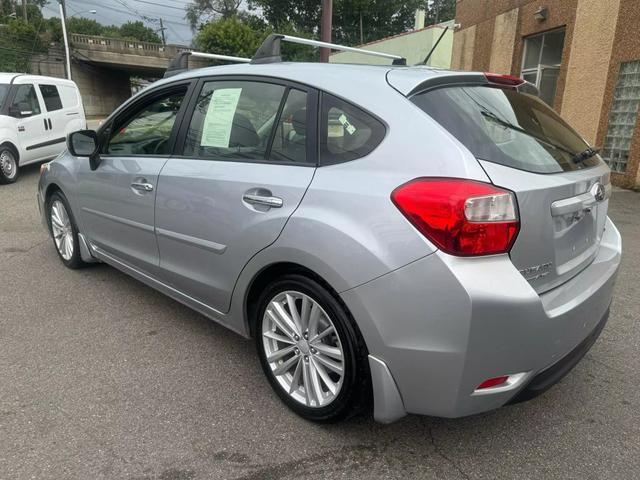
(64, 231)
(8, 165)
(310, 350)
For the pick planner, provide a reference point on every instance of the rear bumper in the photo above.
(442, 325)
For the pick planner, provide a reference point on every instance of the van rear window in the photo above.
(511, 128)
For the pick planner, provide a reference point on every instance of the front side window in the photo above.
(507, 127)
(234, 120)
(148, 131)
(51, 97)
(25, 103)
(541, 62)
(347, 133)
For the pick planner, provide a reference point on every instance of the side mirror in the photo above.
(84, 143)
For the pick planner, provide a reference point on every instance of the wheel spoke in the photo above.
(333, 388)
(306, 382)
(295, 379)
(281, 325)
(314, 316)
(332, 352)
(285, 317)
(324, 333)
(278, 354)
(286, 366)
(294, 312)
(304, 312)
(279, 338)
(55, 221)
(315, 383)
(330, 364)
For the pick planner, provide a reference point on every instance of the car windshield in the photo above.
(4, 89)
(508, 127)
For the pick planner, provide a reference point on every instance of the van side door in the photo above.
(32, 129)
(55, 116)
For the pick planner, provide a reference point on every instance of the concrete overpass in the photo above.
(102, 67)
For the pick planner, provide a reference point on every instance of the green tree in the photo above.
(201, 12)
(229, 36)
(138, 31)
(18, 42)
(438, 11)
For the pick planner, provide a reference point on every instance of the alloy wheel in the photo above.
(302, 348)
(8, 164)
(62, 230)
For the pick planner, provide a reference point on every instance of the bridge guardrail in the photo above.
(94, 42)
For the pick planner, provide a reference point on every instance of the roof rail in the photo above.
(180, 62)
(269, 51)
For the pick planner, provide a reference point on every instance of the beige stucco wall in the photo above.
(503, 44)
(588, 66)
(463, 45)
(414, 46)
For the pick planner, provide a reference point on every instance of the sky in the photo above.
(117, 12)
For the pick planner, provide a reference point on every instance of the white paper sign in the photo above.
(216, 130)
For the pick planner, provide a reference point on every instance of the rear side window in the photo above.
(346, 132)
(51, 97)
(507, 127)
(233, 120)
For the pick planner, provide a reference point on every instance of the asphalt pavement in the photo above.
(103, 378)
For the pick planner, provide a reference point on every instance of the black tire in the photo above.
(355, 391)
(75, 260)
(9, 169)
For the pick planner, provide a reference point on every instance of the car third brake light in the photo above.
(461, 217)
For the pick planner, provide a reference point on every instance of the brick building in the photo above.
(584, 56)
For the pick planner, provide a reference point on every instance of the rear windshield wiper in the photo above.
(584, 155)
(511, 126)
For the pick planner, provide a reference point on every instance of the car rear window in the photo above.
(508, 127)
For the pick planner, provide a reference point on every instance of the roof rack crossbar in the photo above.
(269, 51)
(180, 62)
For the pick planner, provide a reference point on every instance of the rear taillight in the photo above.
(461, 217)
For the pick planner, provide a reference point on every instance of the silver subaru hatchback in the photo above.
(397, 238)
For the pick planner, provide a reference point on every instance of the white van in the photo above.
(36, 115)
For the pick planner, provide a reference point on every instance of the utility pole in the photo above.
(24, 9)
(325, 30)
(63, 19)
(164, 42)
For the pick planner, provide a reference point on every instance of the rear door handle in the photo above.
(46, 125)
(142, 186)
(50, 125)
(252, 199)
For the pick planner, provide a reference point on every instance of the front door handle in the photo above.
(142, 186)
(50, 125)
(267, 201)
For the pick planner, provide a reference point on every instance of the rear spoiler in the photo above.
(180, 62)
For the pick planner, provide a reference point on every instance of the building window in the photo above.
(622, 117)
(541, 62)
